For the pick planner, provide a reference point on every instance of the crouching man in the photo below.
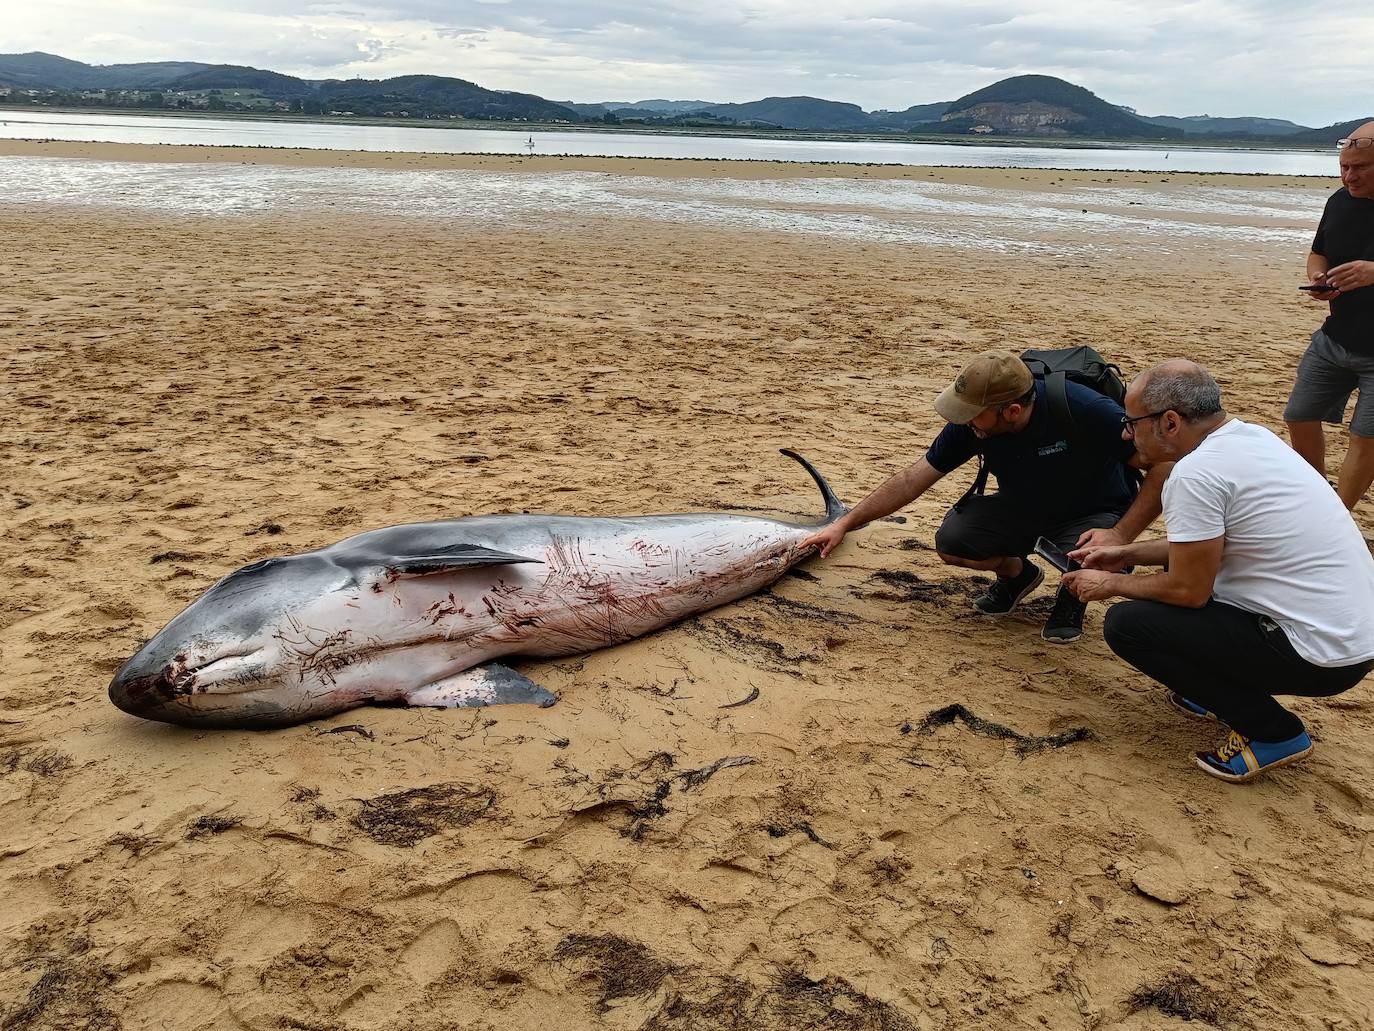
(1267, 588)
(1069, 487)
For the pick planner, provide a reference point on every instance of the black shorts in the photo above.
(987, 526)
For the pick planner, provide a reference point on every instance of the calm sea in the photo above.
(119, 128)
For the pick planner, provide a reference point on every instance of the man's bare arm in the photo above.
(897, 492)
(1187, 582)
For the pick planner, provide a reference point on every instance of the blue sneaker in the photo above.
(1239, 759)
(1192, 709)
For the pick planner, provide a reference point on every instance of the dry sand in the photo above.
(184, 396)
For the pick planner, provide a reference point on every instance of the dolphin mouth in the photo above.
(139, 694)
(146, 694)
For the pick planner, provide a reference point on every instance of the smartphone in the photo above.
(1320, 287)
(1055, 555)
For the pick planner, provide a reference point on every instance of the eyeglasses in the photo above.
(1128, 424)
(1355, 142)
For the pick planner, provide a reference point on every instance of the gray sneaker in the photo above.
(1007, 592)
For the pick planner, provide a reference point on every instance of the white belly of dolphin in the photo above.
(392, 638)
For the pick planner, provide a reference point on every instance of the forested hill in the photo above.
(1328, 136)
(417, 96)
(1041, 105)
(1206, 125)
(795, 113)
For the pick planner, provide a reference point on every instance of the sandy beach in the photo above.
(184, 395)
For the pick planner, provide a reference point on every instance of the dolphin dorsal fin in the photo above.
(453, 558)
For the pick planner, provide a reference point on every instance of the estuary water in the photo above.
(102, 127)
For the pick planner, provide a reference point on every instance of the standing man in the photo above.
(1066, 486)
(1267, 588)
(1340, 358)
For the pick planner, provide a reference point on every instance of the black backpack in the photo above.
(1080, 364)
(1056, 366)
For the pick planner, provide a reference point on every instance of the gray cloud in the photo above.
(1222, 57)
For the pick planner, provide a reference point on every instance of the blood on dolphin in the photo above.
(418, 614)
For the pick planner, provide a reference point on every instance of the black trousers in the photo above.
(990, 526)
(1230, 661)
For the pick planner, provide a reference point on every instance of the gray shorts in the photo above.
(1327, 375)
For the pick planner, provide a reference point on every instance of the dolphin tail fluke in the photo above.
(492, 684)
(834, 507)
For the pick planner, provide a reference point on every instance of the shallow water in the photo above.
(1089, 218)
(119, 128)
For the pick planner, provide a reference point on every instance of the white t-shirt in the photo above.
(1292, 552)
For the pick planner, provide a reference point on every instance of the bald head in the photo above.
(1181, 386)
(1357, 164)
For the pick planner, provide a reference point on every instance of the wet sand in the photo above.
(187, 395)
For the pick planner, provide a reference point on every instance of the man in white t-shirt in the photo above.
(1267, 588)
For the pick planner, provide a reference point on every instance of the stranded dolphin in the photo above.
(415, 614)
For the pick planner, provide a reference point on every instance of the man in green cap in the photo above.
(1071, 484)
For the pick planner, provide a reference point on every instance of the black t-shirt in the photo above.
(1047, 470)
(1346, 233)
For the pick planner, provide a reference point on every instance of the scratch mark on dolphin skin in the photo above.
(443, 609)
(326, 657)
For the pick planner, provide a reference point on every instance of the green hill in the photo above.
(1327, 136)
(48, 71)
(239, 77)
(1206, 125)
(914, 115)
(421, 95)
(795, 113)
(417, 95)
(1041, 105)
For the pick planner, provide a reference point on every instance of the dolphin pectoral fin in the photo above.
(459, 556)
(492, 684)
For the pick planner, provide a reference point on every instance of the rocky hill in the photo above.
(1041, 105)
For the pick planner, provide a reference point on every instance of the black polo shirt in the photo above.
(1346, 233)
(1047, 470)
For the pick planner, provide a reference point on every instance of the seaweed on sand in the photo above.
(211, 824)
(730, 1007)
(67, 997)
(48, 762)
(800, 1003)
(792, 1001)
(904, 586)
(1180, 995)
(404, 818)
(1026, 744)
(616, 967)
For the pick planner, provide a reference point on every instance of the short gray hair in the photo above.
(1187, 389)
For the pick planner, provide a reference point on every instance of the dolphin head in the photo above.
(229, 659)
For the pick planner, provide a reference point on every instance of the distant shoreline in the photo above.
(663, 167)
(811, 135)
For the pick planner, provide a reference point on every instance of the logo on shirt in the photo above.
(1057, 448)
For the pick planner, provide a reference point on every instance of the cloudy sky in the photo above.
(1300, 61)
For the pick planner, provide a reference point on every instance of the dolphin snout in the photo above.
(139, 692)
